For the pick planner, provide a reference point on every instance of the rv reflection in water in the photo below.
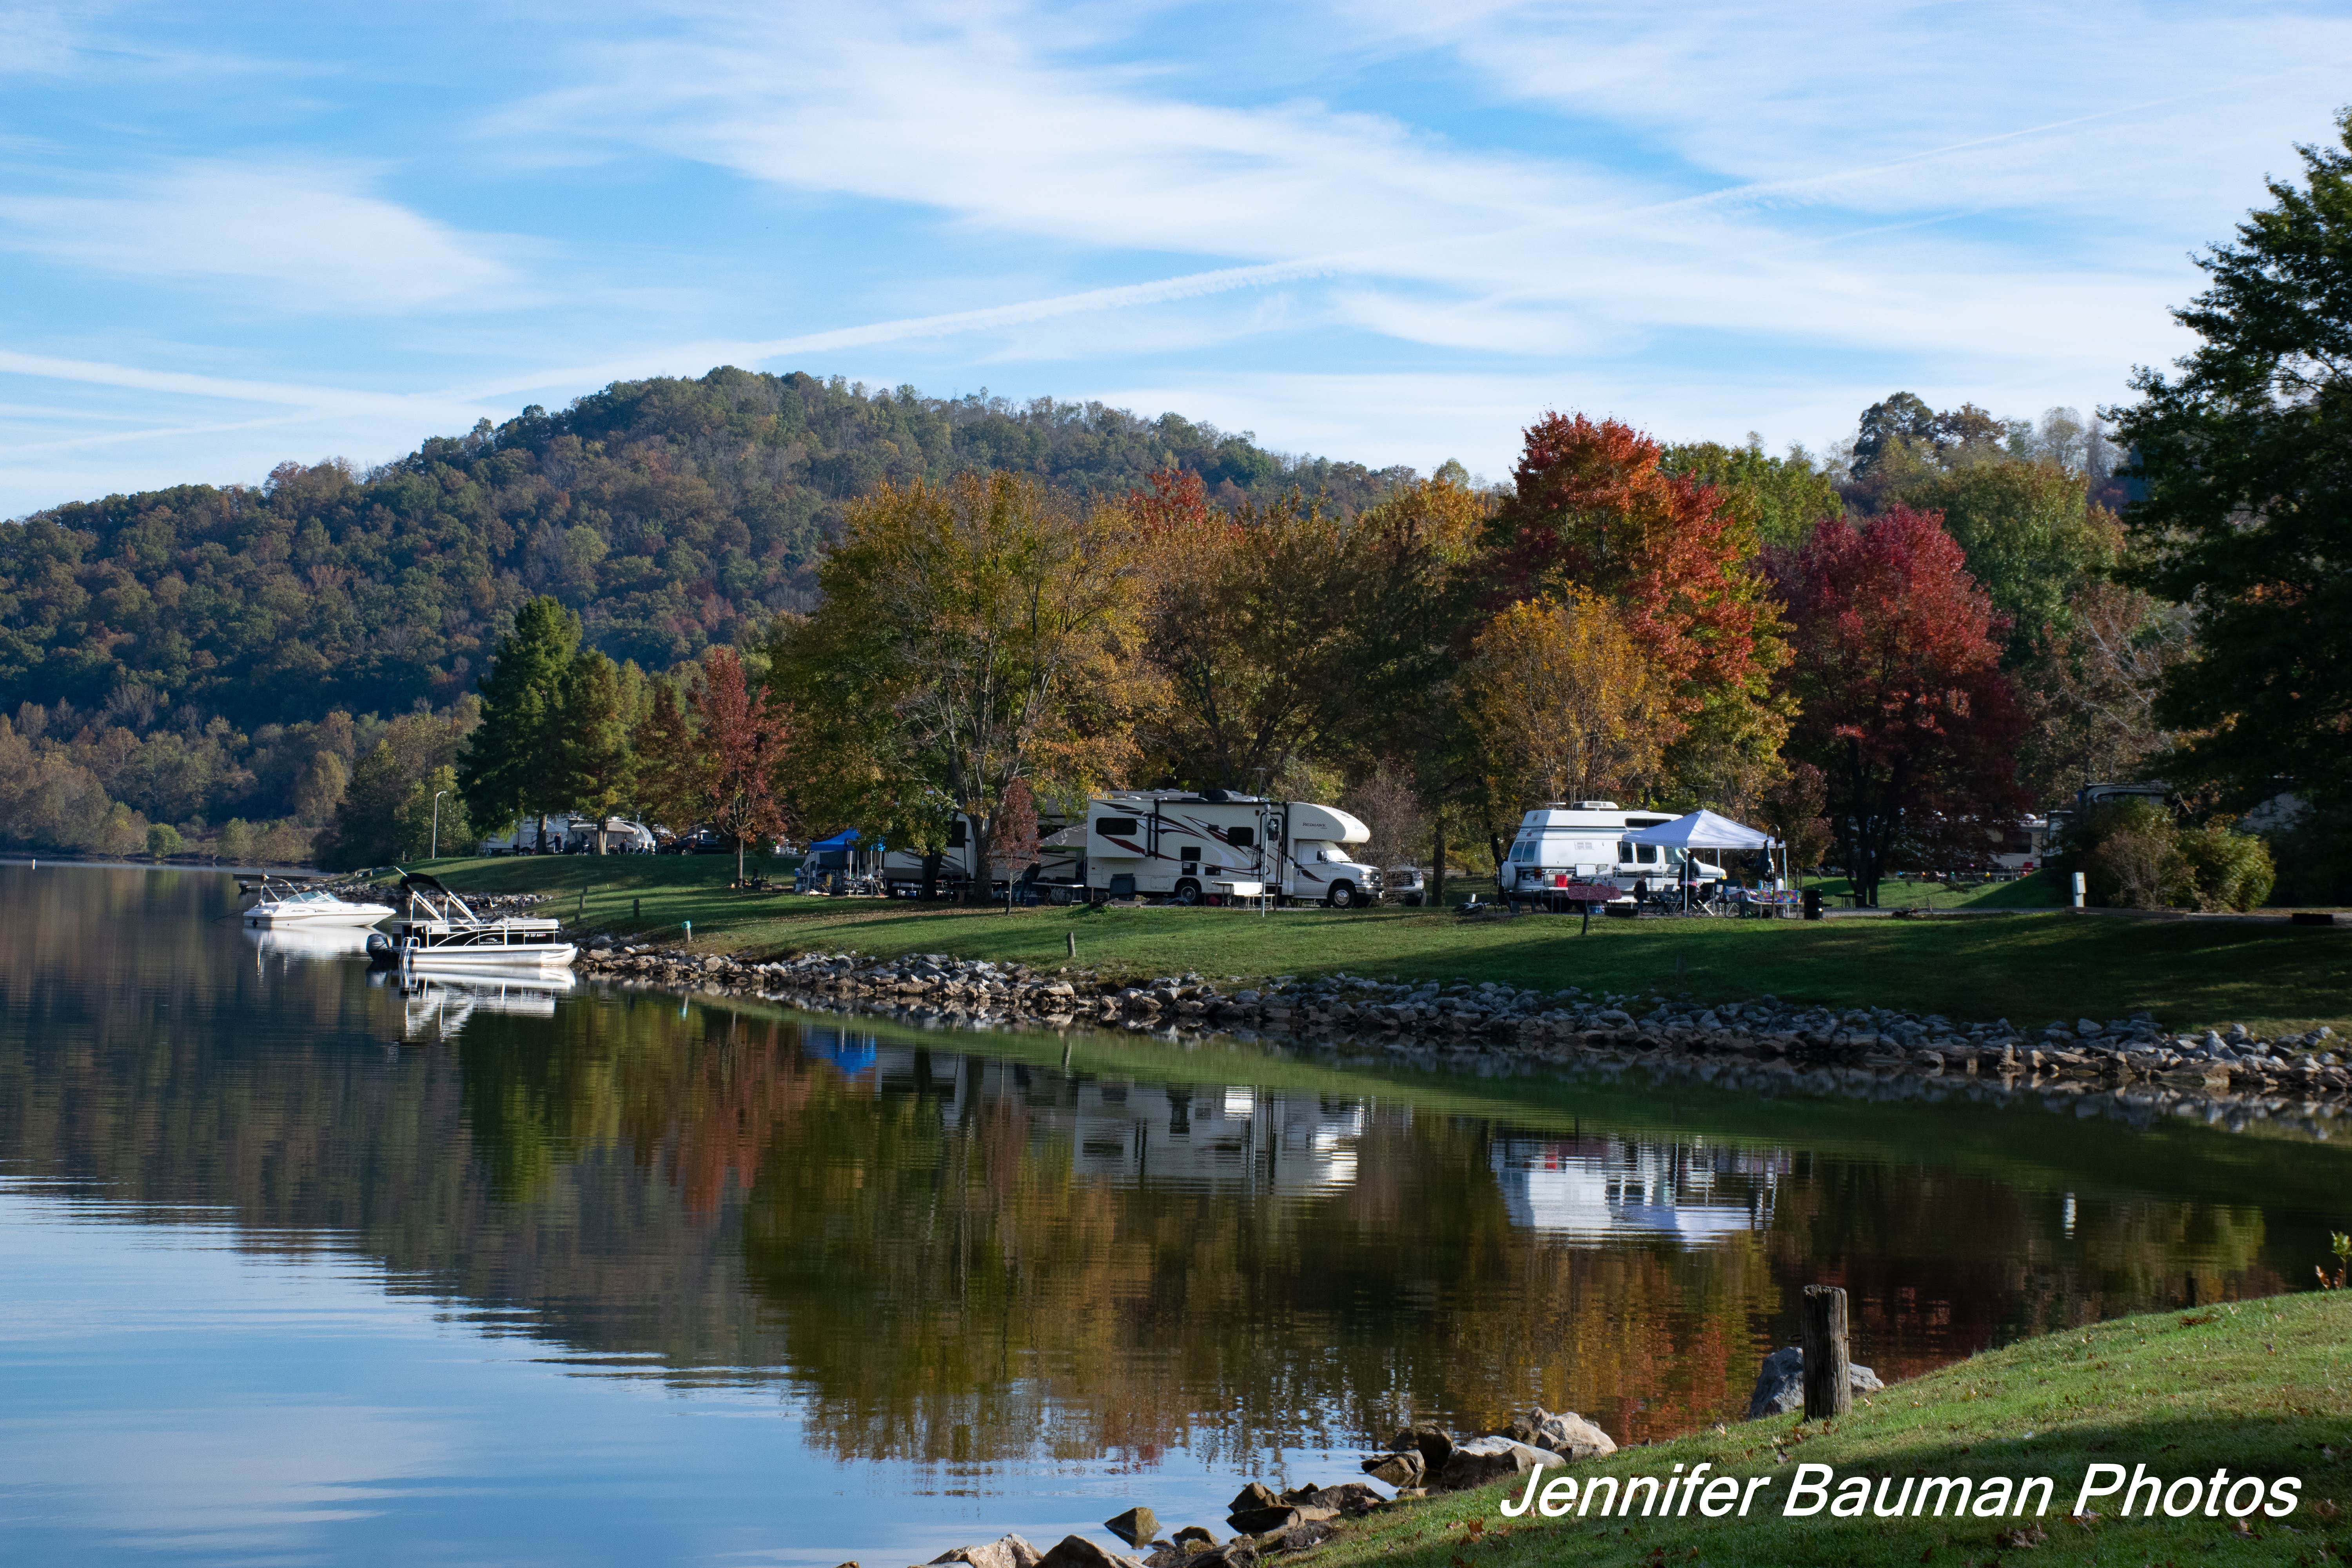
(1616, 1187)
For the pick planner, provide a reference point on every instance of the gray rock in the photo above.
(1254, 1495)
(1239, 1552)
(1192, 1533)
(1266, 1521)
(1008, 1551)
(1077, 1551)
(1433, 1442)
(1404, 1469)
(1348, 1497)
(1780, 1382)
(1135, 1526)
(1484, 1459)
(1570, 1435)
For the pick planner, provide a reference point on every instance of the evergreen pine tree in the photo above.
(513, 765)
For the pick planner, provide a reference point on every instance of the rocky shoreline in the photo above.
(1420, 1459)
(2131, 1068)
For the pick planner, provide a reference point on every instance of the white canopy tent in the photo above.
(1703, 829)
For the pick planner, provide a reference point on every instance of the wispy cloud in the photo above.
(314, 238)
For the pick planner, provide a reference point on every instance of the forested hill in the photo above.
(664, 510)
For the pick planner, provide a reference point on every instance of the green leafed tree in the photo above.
(513, 765)
(2244, 454)
(593, 745)
(2030, 537)
(1777, 499)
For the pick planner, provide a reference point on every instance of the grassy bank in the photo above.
(2256, 1388)
(2027, 967)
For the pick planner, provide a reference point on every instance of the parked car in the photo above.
(1404, 884)
(701, 841)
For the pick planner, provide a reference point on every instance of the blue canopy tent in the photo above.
(848, 852)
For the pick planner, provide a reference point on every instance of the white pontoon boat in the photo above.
(281, 901)
(437, 933)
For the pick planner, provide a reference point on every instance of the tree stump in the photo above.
(1829, 1381)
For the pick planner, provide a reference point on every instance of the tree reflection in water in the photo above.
(953, 1249)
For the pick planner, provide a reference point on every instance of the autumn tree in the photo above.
(1287, 632)
(1016, 848)
(1594, 512)
(668, 778)
(746, 738)
(1900, 696)
(2091, 685)
(2245, 454)
(1246, 623)
(986, 627)
(1565, 704)
(1796, 809)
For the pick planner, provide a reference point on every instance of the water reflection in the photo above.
(437, 1007)
(1594, 1188)
(990, 1264)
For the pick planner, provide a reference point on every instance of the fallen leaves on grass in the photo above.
(2024, 1537)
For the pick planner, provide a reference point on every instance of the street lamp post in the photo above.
(436, 852)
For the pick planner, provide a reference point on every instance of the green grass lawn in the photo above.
(2258, 1388)
(2030, 968)
(2040, 891)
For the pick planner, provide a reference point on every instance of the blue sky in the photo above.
(234, 234)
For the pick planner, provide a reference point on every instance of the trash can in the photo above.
(1813, 902)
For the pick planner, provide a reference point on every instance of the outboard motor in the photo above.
(380, 951)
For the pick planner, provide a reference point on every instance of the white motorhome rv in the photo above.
(1213, 845)
(1565, 851)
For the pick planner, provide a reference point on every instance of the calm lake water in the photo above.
(301, 1268)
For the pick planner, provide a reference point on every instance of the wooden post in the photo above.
(1071, 937)
(1829, 1383)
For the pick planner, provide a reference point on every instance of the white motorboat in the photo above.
(281, 901)
(437, 933)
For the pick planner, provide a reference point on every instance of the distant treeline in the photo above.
(666, 513)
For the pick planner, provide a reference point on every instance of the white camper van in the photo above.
(1193, 847)
(1565, 850)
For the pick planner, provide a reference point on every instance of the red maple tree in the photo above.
(1902, 701)
(1593, 510)
(744, 739)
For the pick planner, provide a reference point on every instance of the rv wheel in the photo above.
(1343, 895)
(1188, 892)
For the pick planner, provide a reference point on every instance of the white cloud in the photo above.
(311, 236)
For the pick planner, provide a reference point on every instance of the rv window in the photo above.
(1525, 849)
(1240, 837)
(1122, 827)
(956, 831)
(1649, 854)
(1625, 854)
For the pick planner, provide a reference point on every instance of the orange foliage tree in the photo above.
(1593, 511)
